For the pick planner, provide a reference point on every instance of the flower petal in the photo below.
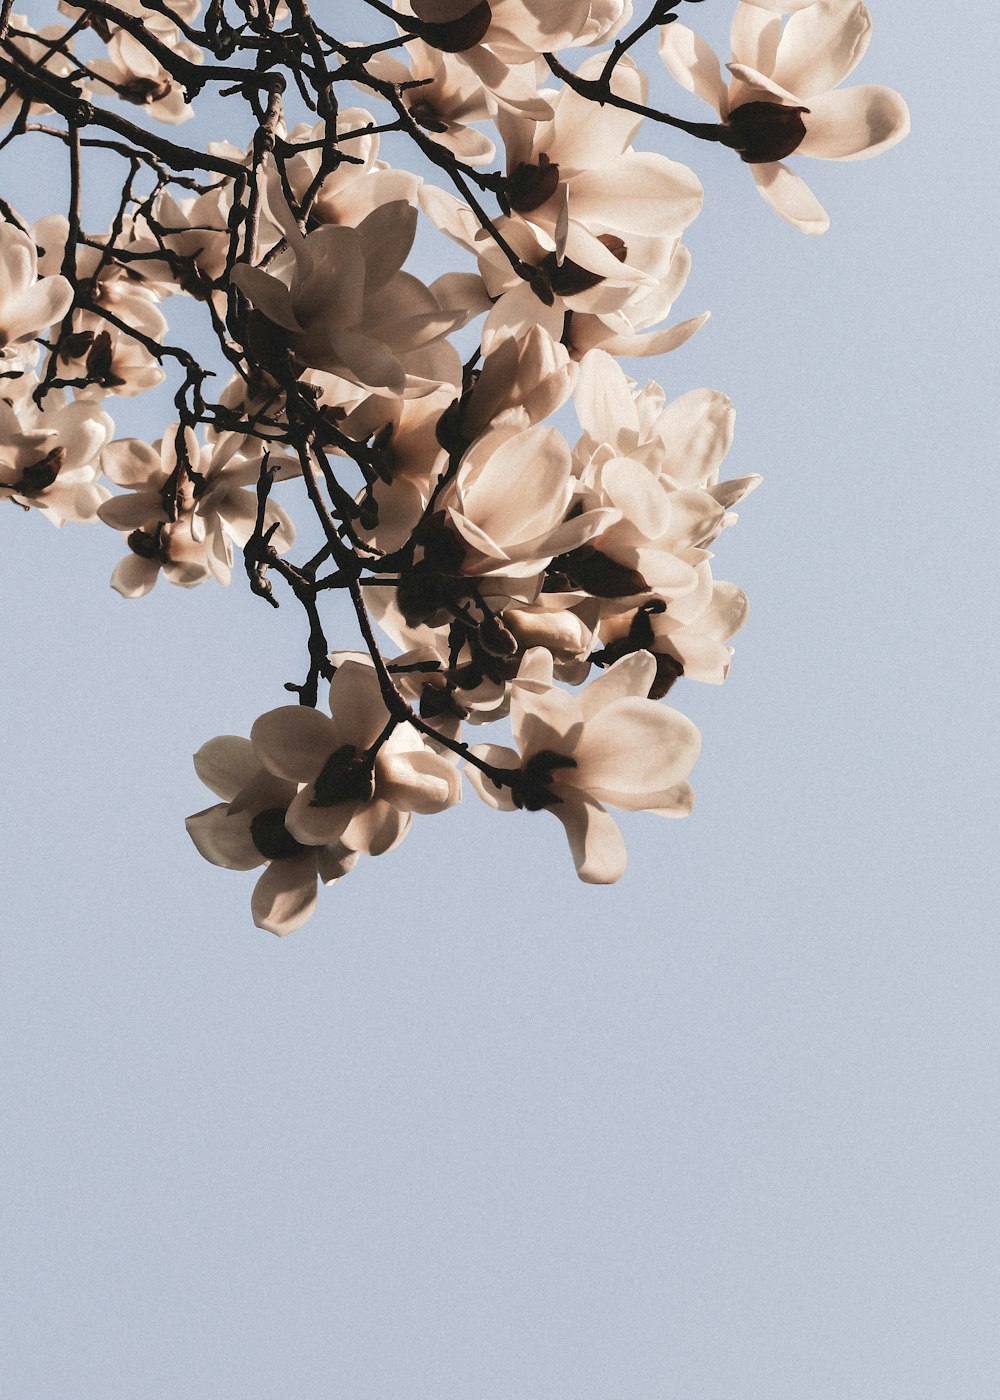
(597, 845)
(224, 838)
(821, 45)
(693, 64)
(854, 123)
(632, 752)
(226, 764)
(285, 895)
(790, 197)
(294, 741)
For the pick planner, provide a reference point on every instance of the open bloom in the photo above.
(784, 95)
(247, 829)
(49, 454)
(28, 304)
(346, 306)
(610, 744)
(582, 188)
(346, 794)
(510, 501)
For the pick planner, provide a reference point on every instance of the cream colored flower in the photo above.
(609, 744)
(247, 829)
(784, 98)
(345, 794)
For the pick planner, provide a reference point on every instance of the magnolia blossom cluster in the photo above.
(524, 531)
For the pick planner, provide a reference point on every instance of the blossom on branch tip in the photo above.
(347, 794)
(784, 95)
(609, 744)
(247, 829)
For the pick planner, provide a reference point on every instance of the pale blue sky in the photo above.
(725, 1131)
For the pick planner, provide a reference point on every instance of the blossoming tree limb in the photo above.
(493, 567)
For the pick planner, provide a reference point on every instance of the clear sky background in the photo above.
(724, 1131)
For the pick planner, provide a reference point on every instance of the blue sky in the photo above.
(726, 1129)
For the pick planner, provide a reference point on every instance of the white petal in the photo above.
(224, 838)
(499, 756)
(416, 781)
(854, 123)
(790, 197)
(693, 63)
(294, 741)
(598, 846)
(285, 895)
(226, 764)
(133, 577)
(632, 752)
(630, 676)
(821, 45)
(377, 827)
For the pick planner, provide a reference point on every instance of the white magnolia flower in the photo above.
(29, 305)
(449, 98)
(49, 454)
(659, 463)
(583, 189)
(784, 98)
(611, 308)
(343, 795)
(609, 744)
(185, 507)
(511, 502)
(346, 306)
(247, 829)
(135, 74)
(37, 49)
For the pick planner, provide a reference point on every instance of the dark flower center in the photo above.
(345, 777)
(271, 836)
(765, 131)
